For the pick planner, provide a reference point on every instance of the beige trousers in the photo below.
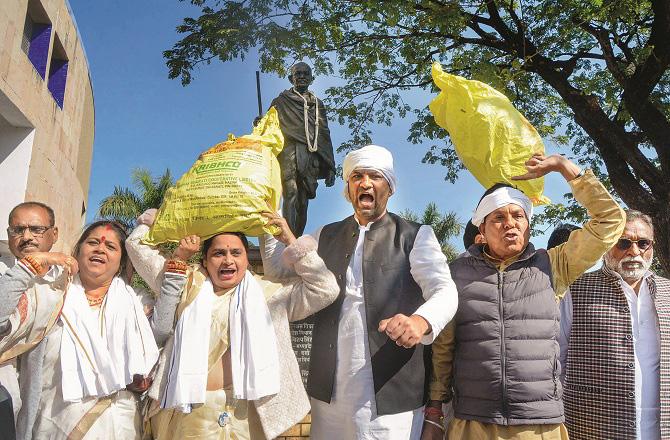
(205, 421)
(473, 430)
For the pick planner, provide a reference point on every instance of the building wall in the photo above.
(45, 150)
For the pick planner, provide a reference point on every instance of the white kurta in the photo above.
(56, 418)
(9, 377)
(647, 344)
(352, 412)
(41, 385)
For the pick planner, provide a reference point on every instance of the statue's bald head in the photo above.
(301, 76)
(301, 65)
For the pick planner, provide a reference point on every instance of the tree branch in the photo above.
(610, 138)
(647, 75)
(602, 36)
(516, 19)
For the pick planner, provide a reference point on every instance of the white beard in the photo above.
(635, 273)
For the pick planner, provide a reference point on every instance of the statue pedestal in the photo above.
(255, 261)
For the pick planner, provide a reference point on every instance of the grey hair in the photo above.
(632, 215)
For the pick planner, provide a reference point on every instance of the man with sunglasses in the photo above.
(615, 344)
(32, 228)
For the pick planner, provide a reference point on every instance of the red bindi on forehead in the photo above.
(103, 238)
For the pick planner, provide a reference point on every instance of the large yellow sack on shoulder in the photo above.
(226, 189)
(492, 139)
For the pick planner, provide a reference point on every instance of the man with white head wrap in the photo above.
(499, 198)
(396, 294)
(499, 355)
(370, 157)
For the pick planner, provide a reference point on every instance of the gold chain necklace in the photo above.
(95, 302)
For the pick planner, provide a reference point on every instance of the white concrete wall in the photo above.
(16, 147)
(59, 166)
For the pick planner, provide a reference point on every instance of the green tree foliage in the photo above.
(125, 206)
(445, 226)
(591, 75)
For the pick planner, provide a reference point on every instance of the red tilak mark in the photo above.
(108, 227)
(102, 239)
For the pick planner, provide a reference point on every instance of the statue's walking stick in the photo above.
(258, 93)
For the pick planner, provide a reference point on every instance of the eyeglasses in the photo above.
(35, 231)
(642, 244)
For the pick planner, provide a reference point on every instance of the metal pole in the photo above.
(258, 93)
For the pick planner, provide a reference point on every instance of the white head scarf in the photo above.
(499, 198)
(370, 157)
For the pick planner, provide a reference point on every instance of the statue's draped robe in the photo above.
(297, 163)
(300, 168)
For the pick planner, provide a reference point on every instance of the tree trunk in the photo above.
(652, 197)
(661, 220)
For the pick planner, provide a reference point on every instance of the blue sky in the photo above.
(143, 119)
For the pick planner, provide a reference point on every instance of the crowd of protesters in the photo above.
(515, 341)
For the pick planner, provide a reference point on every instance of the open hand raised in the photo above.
(539, 165)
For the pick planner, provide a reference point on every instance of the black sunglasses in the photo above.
(642, 244)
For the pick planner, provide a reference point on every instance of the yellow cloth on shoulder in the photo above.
(226, 189)
(492, 139)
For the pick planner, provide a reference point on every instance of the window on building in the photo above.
(28, 29)
(37, 36)
(58, 72)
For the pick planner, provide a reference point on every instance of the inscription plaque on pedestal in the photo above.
(301, 339)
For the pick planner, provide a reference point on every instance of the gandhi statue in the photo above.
(308, 151)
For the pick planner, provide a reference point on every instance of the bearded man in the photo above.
(615, 344)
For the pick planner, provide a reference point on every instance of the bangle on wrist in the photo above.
(33, 265)
(430, 422)
(176, 265)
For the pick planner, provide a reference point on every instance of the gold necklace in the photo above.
(95, 302)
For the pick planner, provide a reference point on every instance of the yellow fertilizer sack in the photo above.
(226, 189)
(492, 139)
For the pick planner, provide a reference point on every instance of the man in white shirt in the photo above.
(615, 344)
(32, 228)
(367, 373)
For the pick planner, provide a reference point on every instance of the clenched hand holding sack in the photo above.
(226, 189)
